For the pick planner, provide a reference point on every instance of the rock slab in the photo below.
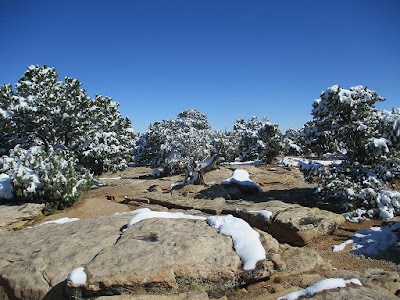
(156, 256)
(14, 217)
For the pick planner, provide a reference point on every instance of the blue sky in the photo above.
(228, 59)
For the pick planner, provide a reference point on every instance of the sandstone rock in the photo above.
(300, 260)
(35, 262)
(14, 217)
(300, 225)
(156, 255)
(181, 296)
(355, 292)
(170, 255)
(155, 188)
(373, 278)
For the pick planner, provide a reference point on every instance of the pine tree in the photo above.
(259, 139)
(292, 142)
(176, 142)
(226, 144)
(60, 115)
(349, 118)
(59, 132)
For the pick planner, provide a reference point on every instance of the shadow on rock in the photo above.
(218, 190)
(58, 292)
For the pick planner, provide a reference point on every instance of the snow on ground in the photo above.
(110, 178)
(241, 177)
(97, 184)
(146, 213)
(371, 242)
(323, 285)
(245, 239)
(290, 161)
(6, 189)
(358, 215)
(266, 214)
(58, 221)
(245, 163)
(77, 277)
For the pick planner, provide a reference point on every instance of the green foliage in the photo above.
(172, 143)
(53, 134)
(40, 176)
(369, 138)
(259, 139)
(60, 115)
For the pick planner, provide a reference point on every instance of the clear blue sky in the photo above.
(228, 59)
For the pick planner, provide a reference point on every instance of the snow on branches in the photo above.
(60, 119)
(348, 119)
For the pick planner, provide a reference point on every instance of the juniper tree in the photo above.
(178, 141)
(370, 139)
(52, 132)
(226, 144)
(258, 139)
(61, 116)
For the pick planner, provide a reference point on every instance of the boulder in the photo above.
(155, 256)
(300, 225)
(13, 217)
(300, 260)
(35, 262)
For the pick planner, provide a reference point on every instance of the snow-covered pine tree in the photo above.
(259, 139)
(176, 142)
(226, 144)
(106, 144)
(60, 115)
(291, 142)
(370, 137)
(43, 176)
(8, 132)
(60, 119)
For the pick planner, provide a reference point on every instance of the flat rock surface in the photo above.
(154, 255)
(300, 225)
(164, 259)
(14, 217)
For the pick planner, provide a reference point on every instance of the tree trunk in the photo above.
(194, 173)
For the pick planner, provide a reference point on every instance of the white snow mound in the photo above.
(371, 242)
(323, 285)
(245, 239)
(77, 277)
(145, 213)
(241, 177)
(59, 221)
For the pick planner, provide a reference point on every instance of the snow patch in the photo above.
(371, 242)
(245, 163)
(337, 248)
(6, 189)
(246, 240)
(59, 221)
(110, 178)
(145, 213)
(77, 277)
(266, 214)
(323, 285)
(241, 177)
